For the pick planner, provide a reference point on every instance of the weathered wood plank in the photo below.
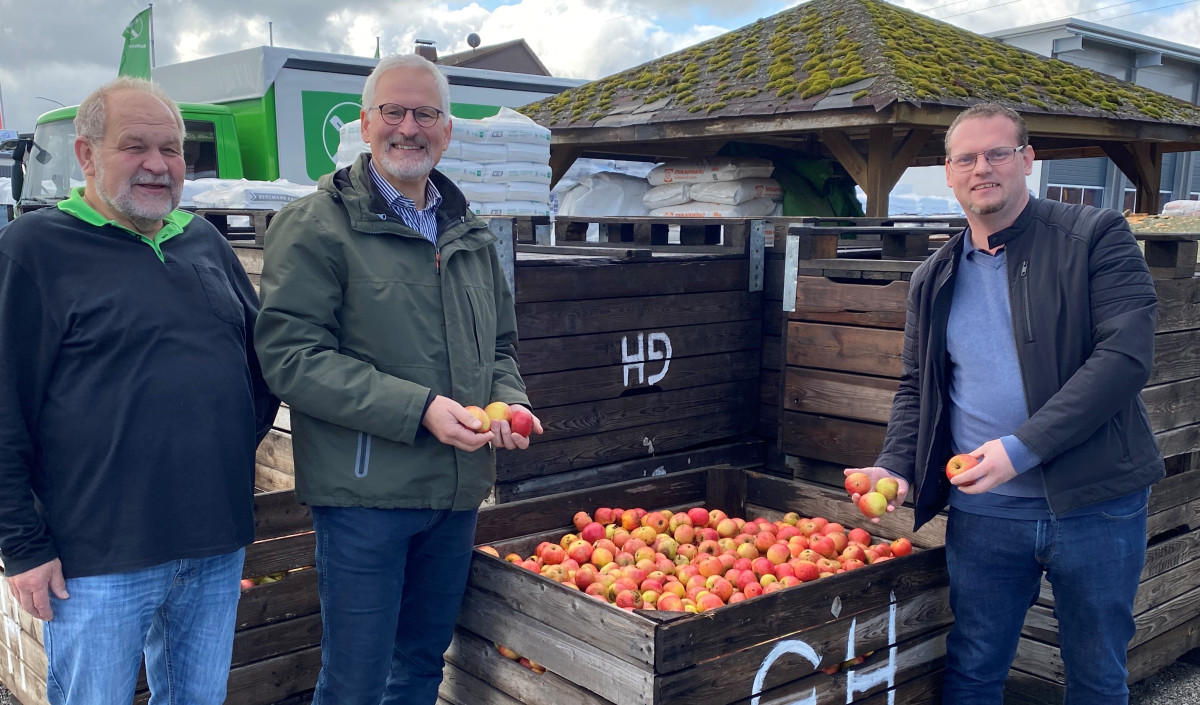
(471, 654)
(548, 319)
(839, 394)
(588, 278)
(872, 351)
(1173, 404)
(819, 299)
(855, 444)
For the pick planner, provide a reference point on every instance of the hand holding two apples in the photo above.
(875, 491)
(511, 425)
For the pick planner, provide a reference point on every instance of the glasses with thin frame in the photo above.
(996, 157)
(393, 114)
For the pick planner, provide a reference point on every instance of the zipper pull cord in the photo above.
(437, 262)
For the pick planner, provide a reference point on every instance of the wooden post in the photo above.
(1142, 163)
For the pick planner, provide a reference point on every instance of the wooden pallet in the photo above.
(760, 649)
(256, 230)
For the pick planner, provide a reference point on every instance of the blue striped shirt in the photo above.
(423, 221)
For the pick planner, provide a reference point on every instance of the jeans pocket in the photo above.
(1125, 516)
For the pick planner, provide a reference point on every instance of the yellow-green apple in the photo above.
(497, 411)
(888, 487)
(791, 518)
(645, 533)
(568, 539)
(872, 504)
(858, 483)
(960, 464)
(484, 421)
(747, 550)
(521, 421)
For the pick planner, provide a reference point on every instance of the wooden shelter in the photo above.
(870, 84)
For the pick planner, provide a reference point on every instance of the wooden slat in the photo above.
(1176, 356)
(592, 277)
(839, 394)
(294, 596)
(553, 389)
(275, 555)
(856, 444)
(548, 319)
(1173, 404)
(1178, 304)
(819, 299)
(870, 351)
(277, 514)
(730, 418)
(478, 657)
(276, 639)
(605, 349)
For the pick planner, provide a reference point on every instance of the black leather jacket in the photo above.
(1083, 312)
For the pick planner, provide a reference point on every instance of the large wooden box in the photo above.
(276, 648)
(769, 649)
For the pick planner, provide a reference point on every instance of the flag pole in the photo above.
(152, 61)
(1, 109)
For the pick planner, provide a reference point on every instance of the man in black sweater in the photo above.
(131, 404)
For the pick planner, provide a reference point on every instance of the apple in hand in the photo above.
(960, 464)
(485, 422)
(858, 483)
(498, 411)
(521, 421)
(888, 487)
(873, 504)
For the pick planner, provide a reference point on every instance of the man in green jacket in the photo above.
(385, 312)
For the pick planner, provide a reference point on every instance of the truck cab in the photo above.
(47, 169)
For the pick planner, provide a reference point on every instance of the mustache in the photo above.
(152, 179)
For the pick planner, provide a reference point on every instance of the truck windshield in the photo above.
(51, 168)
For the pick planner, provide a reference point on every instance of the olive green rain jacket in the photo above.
(362, 318)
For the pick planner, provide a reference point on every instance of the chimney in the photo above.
(427, 49)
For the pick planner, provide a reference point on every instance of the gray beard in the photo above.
(123, 202)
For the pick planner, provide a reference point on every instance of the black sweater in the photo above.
(131, 401)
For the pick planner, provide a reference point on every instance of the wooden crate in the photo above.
(258, 221)
(276, 648)
(628, 356)
(842, 363)
(1166, 611)
(766, 650)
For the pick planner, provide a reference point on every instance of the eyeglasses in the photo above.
(995, 157)
(393, 114)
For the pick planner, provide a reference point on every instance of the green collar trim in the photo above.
(173, 222)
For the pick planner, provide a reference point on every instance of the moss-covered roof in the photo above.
(837, 54)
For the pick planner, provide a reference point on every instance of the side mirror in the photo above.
(18, 174)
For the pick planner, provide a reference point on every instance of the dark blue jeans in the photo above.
(1093, 563)
(391, 582)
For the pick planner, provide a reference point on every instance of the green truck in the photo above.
(262, 114)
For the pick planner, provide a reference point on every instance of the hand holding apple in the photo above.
(879, 481)
(454, 425)
(514, 433)
(982, 469)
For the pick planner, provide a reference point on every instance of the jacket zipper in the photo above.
(437, 262)
(1027, 305)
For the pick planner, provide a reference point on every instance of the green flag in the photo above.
(135, 59)
(376, 47)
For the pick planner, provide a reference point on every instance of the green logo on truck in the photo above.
(324, 115)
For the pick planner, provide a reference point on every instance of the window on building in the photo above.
(1075, 194)
(1130, 199)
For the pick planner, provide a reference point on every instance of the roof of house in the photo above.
(479, 56)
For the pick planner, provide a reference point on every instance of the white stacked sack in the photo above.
(501, 164)
(243, 193)
(713, 187)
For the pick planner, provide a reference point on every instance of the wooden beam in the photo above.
(879, 171)
(561, 159)
(1142, 164)
(844, 151)
(912, 145)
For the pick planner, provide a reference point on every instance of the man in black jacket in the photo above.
(1029, 337)
(131, 404)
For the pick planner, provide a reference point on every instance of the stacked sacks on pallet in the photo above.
(501, 164)
(713, 187)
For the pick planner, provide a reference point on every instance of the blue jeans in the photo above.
(1093, 563)
(391, 582)
(180, 614)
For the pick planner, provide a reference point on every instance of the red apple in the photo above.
(960, 464)
(521, 422)
(858, 483)
(901, 547)
(698, 515)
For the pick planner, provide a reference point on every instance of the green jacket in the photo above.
(360, 324)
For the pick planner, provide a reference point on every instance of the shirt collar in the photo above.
(173, 222)
(397, 200)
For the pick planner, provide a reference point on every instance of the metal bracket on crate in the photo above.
(544, 234)
(504, 229)
(791, 264)
(757, 253)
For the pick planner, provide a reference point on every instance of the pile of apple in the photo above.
(698, 560)
(248, 583)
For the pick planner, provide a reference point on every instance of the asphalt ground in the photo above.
(1177, 684)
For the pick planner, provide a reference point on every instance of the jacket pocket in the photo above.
(483, 323)
(221, 299)
(362, 455)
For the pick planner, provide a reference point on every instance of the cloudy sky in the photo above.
(55, 51)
